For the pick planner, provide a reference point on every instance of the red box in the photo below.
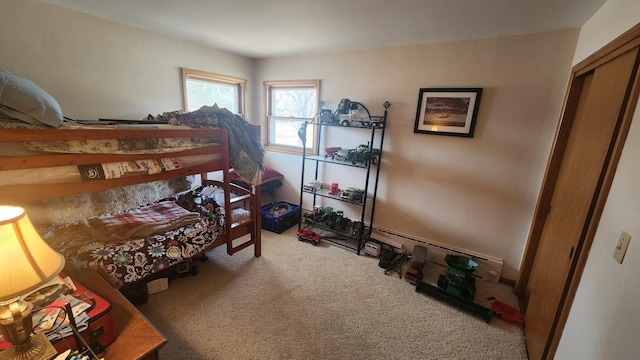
(507, 313)
(102, 326)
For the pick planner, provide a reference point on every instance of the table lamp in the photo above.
(26, 263)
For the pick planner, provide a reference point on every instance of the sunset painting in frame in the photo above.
(447, 111)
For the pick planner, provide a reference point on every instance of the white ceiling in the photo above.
(270, 28)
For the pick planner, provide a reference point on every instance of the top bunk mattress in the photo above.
(142, 138)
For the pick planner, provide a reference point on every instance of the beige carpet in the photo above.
(300, 301)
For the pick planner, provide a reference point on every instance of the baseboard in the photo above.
(507, 281)
(489, 269)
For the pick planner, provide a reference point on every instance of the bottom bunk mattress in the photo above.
(133, 244)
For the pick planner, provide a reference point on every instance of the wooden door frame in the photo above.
(620, 45)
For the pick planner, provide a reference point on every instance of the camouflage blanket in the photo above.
(245, 152)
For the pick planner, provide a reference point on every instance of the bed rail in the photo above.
(20, 194)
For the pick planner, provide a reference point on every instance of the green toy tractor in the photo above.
(458, 278)
(363, 154)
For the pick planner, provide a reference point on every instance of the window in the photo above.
(201, 88)
(288, 105)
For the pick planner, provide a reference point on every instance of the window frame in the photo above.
(215, 78)
(287, 84)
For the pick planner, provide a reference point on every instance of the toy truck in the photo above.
(347, 193)
(357, 196)
(313, 185)
(308, 235)
(372, 249)
(352, 118)
(377, 122)
(414, 273)
(352, 113)
(413, 276)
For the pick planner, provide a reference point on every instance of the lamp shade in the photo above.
(26, 260)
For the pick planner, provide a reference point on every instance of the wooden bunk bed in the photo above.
(27, 190)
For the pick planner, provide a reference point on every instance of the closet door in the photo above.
(578, 172)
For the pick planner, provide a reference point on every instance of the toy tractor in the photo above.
(363, 154)
(458, 279)
(357, 227)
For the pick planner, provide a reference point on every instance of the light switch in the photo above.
(622, 246)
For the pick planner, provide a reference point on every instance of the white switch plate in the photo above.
(622, 246)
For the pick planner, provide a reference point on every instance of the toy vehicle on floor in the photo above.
(414, 273)
(372, 249)
(308, 235)
(458, 278)
(392, 261)
(413, 276)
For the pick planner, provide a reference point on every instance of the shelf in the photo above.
(325, 193)
(350, 244)
(350, 126)
(339, 237)
(371, 152)
(337, 232)
(339, 162)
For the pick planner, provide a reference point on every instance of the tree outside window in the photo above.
(289, 104)
(202, 88)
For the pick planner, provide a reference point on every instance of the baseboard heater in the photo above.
(489, 268)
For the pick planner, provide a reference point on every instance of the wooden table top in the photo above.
(136, 337)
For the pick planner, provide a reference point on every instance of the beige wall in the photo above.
(99, 69)
(476, 193)
(604, 321)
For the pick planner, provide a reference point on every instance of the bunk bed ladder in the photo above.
(250, 227)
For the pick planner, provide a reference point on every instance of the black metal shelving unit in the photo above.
(349, 239)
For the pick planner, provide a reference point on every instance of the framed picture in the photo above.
(444, 111)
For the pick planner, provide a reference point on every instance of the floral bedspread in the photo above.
(134, 259)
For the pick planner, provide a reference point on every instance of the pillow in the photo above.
(268, 175)
(72, 208)
(23, 100)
